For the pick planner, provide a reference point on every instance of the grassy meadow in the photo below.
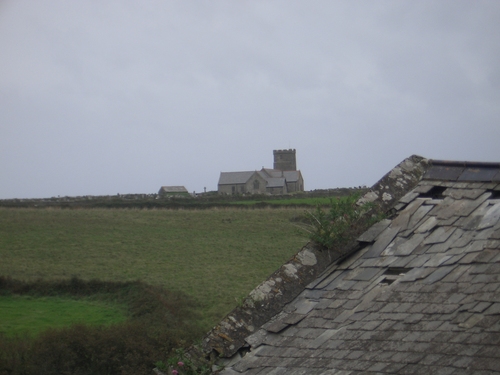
(216, 255)
(291, 201)
(23, 315)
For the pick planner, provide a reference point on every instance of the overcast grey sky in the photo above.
(122, 96)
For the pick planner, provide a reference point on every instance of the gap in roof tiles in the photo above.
(436, 192)
(397, 271)
(495, 194)
(392, 274)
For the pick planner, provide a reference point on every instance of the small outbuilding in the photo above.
(173, 191)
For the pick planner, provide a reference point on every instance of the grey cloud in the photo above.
(99, 98)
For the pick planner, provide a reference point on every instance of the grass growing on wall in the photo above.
(215, 256)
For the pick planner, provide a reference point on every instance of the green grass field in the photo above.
(216, 256)
(29, 315)
(312, 202)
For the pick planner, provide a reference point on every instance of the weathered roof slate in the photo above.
(275, 182)
(421, 295)
(290, 176)
(463, 171)
(229, 178)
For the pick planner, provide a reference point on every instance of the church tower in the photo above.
(284, 160)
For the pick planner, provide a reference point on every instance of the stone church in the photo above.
(284, 178)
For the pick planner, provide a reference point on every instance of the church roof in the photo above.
(275, 182)
(229, 178)
(290, 176)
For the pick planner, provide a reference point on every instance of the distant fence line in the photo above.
(161, 201)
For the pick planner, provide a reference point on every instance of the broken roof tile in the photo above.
(441, 234)
(421, 213)
(391, 248)
(449, 243)
(304, 305)
(427, 225)
(409, 197)
(464, 193)
(491, 217)
(326, 278)
(353, 259)
(341, 285)
(419, 260)
(437, 260)
(475, 246)
(464, 207)
(480, 257)
(464, 239)
(275, 327)
(447, 222)
(384, 239)
(402, 262)
(484, 234)
(407, 247)
(416, 274)
(469, 222)
(384, 261)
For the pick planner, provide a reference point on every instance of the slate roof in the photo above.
(420, 293)
(275, 182)
(290, 176)
(229, 178)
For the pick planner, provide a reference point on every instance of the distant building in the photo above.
(173, 191)
(285, 160)
(282, 179)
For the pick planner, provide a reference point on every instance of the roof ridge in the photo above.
(477, 164)
(267, 299)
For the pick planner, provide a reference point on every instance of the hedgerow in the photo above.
(158, 324)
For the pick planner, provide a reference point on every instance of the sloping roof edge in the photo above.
(397, 182)
(267, 299)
